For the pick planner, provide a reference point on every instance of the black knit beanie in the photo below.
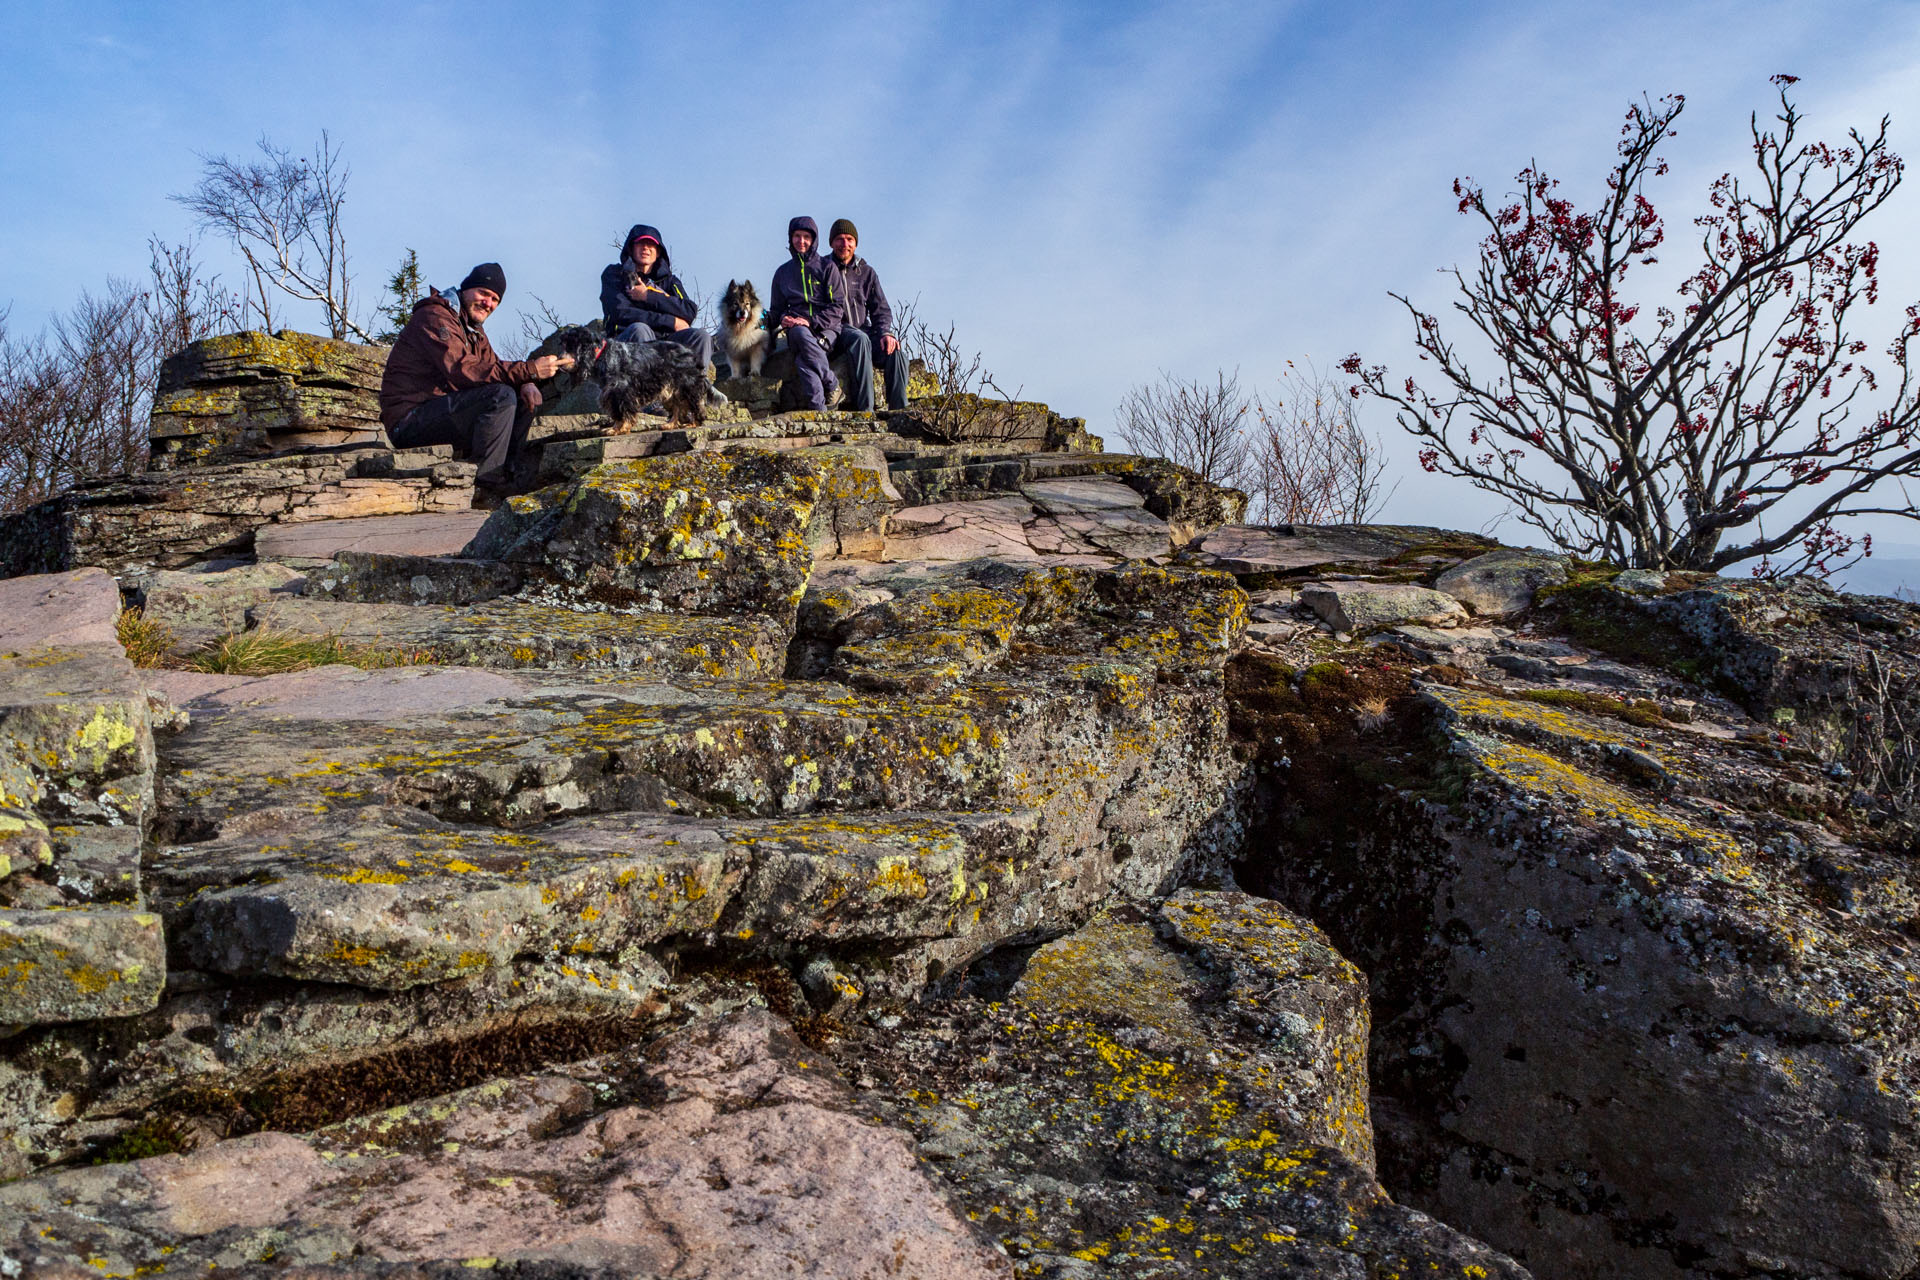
(487, 275)
(846, 225)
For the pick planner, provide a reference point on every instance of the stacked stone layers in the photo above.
(246, 395)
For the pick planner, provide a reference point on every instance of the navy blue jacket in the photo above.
(866, 301)
(660, 310)
(810, 287)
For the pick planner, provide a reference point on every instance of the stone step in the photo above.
(389, 899)
(310, 544)
(522, 633)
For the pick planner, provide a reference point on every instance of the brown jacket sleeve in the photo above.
(459, 366)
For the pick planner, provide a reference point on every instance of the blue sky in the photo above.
(1091, 192)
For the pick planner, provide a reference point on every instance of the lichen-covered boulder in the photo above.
(1503, 581)
(920, 625)
(1361, 607)
(1173, 1093)
(693, 532)
(78, 963)
(242, 395)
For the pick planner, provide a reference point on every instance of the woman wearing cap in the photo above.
(643, 301)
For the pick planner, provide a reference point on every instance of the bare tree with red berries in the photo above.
(1736, 425)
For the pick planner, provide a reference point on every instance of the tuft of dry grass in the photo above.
(265, 651)
(146, 642)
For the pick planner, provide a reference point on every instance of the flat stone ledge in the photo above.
(310, 544)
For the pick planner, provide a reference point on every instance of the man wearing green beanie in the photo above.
(867, 309)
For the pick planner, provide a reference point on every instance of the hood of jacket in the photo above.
(663, 267)
(804, 223)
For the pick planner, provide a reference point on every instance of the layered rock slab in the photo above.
(246, 394)
(1256, 550)
(728, 1150)
(133, 526)
(1650, 1002)
(523, 633)
(1176, 1092)
(391, 900)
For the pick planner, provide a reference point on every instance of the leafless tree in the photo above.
(283, 213)
(1310, 461)
(76, 400)
(74, 404)
(1199, 424)
(183, 303)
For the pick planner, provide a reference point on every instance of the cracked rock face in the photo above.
(1641, 952)
(1176, 1092)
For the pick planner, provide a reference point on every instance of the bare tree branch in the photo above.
(1311, 462)
(283, 213)
(1198, 424)
(1677, 438)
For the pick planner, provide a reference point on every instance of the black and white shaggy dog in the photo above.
(743, 337)
(632, 376)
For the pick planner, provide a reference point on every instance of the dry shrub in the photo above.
(1312, 462)
(1197, 424)
(970, 406)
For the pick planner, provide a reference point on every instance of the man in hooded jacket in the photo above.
(809, 305)
(655, 307)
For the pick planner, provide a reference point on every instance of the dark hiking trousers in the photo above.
(813, 365)
(700, 340)
(488, 424)
(894, 369)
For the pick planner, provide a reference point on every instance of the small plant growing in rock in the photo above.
(146, 641)
(970, 406)
(267, 652)
(1734, 423)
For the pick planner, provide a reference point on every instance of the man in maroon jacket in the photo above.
(444, 385)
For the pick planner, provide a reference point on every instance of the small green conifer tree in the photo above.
(403, 290)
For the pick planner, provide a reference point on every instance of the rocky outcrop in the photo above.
(733, 757)
(247, 395)
(1638, 931)
(76, 784)
(135, 526)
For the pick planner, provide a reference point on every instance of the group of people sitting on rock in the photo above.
(444, 384)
